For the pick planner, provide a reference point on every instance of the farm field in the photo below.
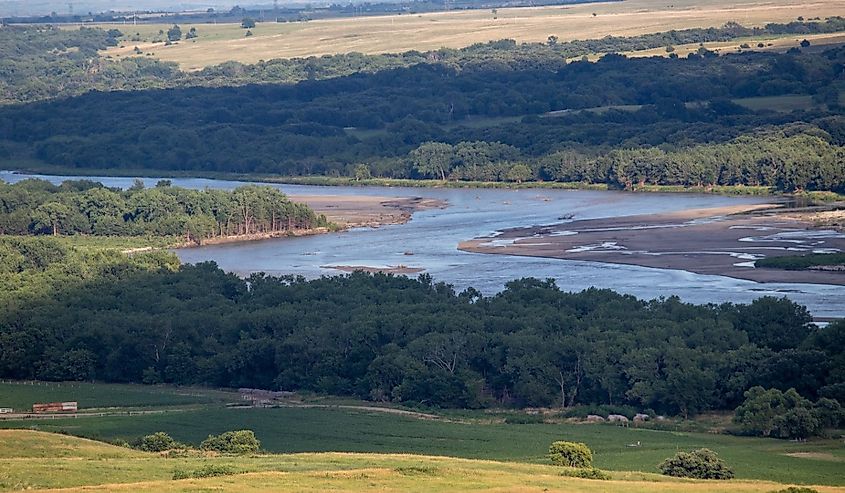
(28, 457)
(472, 436)
(388, 34)
(21, 395)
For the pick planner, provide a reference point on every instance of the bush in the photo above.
(157, 442)
(699, 464)
(206, 471)
(232, 442)
(571, 454)
(796, 489)
(586, 473)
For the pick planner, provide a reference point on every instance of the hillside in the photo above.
(112, 468)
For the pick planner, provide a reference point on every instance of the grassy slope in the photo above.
(37, 460)
(330, 430)
(379, 34)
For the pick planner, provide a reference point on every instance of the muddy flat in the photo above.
(723, 241)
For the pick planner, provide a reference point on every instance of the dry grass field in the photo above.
(390, 34)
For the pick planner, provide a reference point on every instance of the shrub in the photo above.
(699, 464)
(796, 489)
(232, 442)
(206, 471)
(157, 442)
(571, 454)
(586, 473)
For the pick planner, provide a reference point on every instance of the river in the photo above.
(430, 239)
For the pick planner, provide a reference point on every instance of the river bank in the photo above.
(724, 241)
(342, 181)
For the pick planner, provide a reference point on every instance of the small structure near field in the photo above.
(6, 410)
(264, 398)
(56, 407)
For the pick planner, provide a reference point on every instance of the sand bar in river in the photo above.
(721, 241)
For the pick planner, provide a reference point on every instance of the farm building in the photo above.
(55, 407)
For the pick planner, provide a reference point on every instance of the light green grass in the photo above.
(32, 460)
(286, 430)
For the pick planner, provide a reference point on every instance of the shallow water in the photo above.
(432, 237)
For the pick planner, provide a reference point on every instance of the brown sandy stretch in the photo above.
(718, 241)
(354, 211)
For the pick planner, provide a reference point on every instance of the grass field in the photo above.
(298, 430)
(384, 34)
(33, 460)
(21, 395)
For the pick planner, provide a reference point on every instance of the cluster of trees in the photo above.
(778, 158)
(786, 414)
(86, 207)
(31, 265)
(389, 338)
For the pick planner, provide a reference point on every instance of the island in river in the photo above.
(723, 241)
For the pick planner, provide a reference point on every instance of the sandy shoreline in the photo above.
(721, 241)
(355, 211)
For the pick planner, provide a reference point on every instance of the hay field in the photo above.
(388, 34)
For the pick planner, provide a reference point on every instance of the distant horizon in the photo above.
(19, 8)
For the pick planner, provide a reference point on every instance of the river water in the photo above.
(432, 237)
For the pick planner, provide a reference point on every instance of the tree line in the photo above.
(387, 338)
(780, 159)
(33, 207)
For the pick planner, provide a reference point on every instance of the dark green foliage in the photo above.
(787, 414)
(174, 33)
(571, 454)
(232, 442)
(391, 338)
(796, 489)
(206, 471)
(84, 207)
(698, 464)
(802, 262)
(157, 442)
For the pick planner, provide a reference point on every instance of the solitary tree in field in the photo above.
(174, 33)
(248, 23)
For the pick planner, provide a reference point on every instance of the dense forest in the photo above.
(524, 112)
(397, 339)
(87, 207)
